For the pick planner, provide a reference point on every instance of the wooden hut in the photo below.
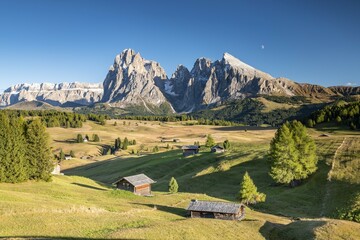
(190, 150)
(138, 184)
(217, 210)
(217, 149)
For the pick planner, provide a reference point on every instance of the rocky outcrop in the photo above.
(212, 83)
(346, 90)
(132, 80)
(54, 94)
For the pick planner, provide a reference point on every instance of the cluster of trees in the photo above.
(292, 153)
(24, 150)
(340, 112)
(81, 139)
(62, 155)
(118, 144)
(53, 118)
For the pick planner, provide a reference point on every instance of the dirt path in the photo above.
(327, 187)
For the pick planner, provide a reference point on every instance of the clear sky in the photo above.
(310, 41)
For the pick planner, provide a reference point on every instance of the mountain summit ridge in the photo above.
(135, 81)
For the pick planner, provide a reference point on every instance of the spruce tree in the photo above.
(61, 155)
(79, 138)
(13, 166)
(293, 154)
(125, 144)
(248, 191)
(226, 144)
(173, 185)
(209, 141)
(38, 151)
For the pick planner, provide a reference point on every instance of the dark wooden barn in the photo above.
(190, 150)
(217, 210)
(138, 184)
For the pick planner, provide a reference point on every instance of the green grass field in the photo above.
(83, 204)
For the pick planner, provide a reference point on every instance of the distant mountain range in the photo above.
(133, 81)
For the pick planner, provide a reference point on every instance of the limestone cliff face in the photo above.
(54, 94)
(212, 83)
(135, 81)
(132, 80)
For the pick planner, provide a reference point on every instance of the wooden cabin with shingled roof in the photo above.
(138, 184)
(217, 210)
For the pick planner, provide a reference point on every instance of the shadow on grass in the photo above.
(89, 186)
(297, 230)
(64, 238)
(244, 128)
(173, 210)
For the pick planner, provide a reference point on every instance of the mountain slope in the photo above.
(54, 94)
(213, 83)
(132, 80)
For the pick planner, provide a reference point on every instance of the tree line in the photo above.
(340, 112)
(24, 150)
(53, 118)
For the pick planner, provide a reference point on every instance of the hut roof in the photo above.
(218, 207)
(137, 180)
(190, 147)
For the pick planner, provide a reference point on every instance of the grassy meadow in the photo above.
(83, 204)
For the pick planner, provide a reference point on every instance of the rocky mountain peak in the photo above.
(243, 68)
(133, 80)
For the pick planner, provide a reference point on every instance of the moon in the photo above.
(262, 46)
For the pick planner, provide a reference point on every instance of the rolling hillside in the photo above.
(83, 205)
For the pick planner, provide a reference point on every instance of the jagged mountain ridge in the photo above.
(54, 94)
(134, 81)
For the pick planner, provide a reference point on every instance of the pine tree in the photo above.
(79, 138)
(209, 141)
(13, 165)
(226, 144)
(248, 191)
(173, 185)
(125, 144)
(293, 154)
(61, 155)
(38, 151)
(72, 153)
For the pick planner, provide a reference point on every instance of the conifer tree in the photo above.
(72, 153)
(13, 166)
(79, 138)
(209, 141)
(226, 144)
(293, 154)
(173, 185)
(248, 191)
(125, 144)
(38, 151)
(61, 155)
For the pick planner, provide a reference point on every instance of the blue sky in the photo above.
(76, 40)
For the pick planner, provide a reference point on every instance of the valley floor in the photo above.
(82, 204)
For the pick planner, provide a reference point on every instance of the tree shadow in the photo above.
(89, 186)
(181, 212)
(244, 128)
(297, 230)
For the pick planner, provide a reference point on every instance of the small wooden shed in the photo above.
(217, 149)
(190, 150)
(138, 184)
(217, 210)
